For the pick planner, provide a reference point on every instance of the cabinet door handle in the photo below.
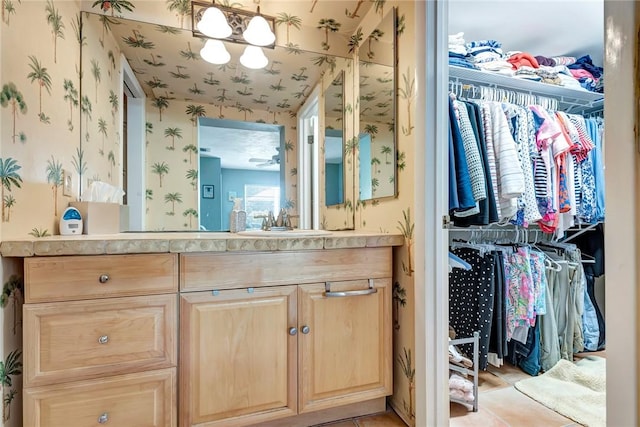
(104, 278)
(370, 290)
(103, 339)
(293, 331)
(104, 418)
(305, 329)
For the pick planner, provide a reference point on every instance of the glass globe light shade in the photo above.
(258, 32)
(215, 52)
(254, 58)
(214, 24)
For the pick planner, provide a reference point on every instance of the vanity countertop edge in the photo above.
(182, 242)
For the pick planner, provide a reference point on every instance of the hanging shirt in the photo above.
(491, 158)
(474, 160)
(587, 204)
(520, 299)
(524, 131)
(510, 179)
(463, 180)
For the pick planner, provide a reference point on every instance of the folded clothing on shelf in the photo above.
(523, 59)
(455, 356)
(461, 388)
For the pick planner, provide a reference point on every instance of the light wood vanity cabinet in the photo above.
(283, 338)
(96, 355)
(345, 352)
(256, 354)
(237, 357)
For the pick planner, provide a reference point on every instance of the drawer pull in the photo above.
(370, 290)
(104, 278)
(305, 329)
(293, 331)
(103, 339)
(103, 419)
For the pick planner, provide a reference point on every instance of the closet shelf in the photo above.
(475, 340)
(569, 100)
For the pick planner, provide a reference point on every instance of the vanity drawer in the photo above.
(83, 277)
(227, 270)
(142, 399)
(87, 339)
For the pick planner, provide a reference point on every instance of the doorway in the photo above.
(133, 149)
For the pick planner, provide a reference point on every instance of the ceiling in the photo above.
(540, 27)
(241, 148)
(167, 65)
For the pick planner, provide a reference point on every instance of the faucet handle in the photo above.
(282, 218)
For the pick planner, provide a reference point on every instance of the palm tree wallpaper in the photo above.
(40, 75)
(49, 125)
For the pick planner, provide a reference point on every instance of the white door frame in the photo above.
(623, 213)
(431, 195)
(136, 137)
(308, 155)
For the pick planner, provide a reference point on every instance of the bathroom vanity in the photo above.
(209, 329)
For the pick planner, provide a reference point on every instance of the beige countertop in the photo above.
(157, 242)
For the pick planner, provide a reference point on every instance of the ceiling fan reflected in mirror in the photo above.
(274, 160)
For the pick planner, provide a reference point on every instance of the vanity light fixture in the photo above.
(211, 20)
(258, 32)
(216, 23)
(253, 57)
(214, 52)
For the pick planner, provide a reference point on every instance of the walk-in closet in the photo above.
(526, 214)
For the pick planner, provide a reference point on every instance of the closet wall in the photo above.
(542, 26)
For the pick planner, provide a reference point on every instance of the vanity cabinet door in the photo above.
(238, 356)
(344, 345)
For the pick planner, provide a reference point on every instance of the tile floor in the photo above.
(500, 405)
(387, 419)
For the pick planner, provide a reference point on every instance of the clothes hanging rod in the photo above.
(569, 100)
(579, 232)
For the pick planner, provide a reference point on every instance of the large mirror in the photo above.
(213, 132)
(334, 142)
(377, 126)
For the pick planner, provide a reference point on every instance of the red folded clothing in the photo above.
(523, 59)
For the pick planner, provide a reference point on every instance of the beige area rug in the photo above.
(575, 390)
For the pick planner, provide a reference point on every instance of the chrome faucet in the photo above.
(270, 222)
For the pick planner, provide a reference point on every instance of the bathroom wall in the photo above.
(42, 123)
(395, 215)
(40, 134)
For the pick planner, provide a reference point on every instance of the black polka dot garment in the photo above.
(471, 300)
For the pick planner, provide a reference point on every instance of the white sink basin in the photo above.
(285, 233)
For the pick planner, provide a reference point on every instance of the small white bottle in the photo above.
(238, 218)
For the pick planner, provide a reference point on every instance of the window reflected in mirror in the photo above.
(239, 160)
(377, 129)
(334, 142)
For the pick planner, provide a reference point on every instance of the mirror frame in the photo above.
(340, 75)
(340, 216)
(392, 12)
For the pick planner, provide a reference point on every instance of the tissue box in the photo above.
(98, 217)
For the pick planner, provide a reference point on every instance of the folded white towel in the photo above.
(456, 38)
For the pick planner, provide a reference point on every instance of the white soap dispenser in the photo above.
(238, 219)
